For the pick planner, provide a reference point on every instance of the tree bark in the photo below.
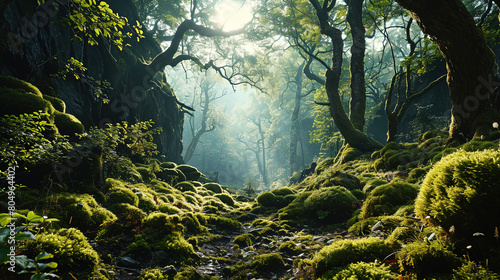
(468, 59)
(294, 127)
(354, 137)
(357, 67)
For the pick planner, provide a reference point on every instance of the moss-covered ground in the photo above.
(426, 210)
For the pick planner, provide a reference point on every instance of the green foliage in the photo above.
(71, 250)
(344, 252)
(462, 191)
(67, 124)
(330, 205)
(423, 259)
(471, 270)
(27, 141)
(225, 198)
(386, 199)
(362, 271)
(78, 210)
(216, 188)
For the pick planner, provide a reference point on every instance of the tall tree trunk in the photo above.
(468, 59)
(354, 137)
(294, 127)
(357, 67)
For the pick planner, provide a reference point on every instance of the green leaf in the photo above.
(4, 219)
(4, 233)
(38, 276)
(4, 250)
(24, 262)
(42, 266)
(26, 235)
(43, 256)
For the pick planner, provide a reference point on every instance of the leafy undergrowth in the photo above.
(426, 210)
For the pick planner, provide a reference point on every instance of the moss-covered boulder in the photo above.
(216, 188)
(363, 270)
(57, 103)
(343, 252)
(78, 210)
(191, 173)
(185, 187)
(330, 205)
(386, 199)
(225, 198)
(19, 97)
(67, 124)
(463, 190)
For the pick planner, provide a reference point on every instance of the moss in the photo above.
(384, 224)
(174, 244)
(268, 262)
(121, 194)
(295, 210)
(214, 187)
(146, 174)
(152, 274)
(223, 223)
(185, 187)
(168, 165)
(270, 200)
(128, 217)
(156, 225)
(191, 173)
(283, 191)
(417, 174)
(172, 176)
(190, 273)
(428, 135)
(359, 194)
(291, 247)
(343, 252)
(244, 240)
(67, 124)
(225, 198)
(330, 205)
(403, 235)
(78, 210)
(146, 202)
(362, 271)
(71, 251)
(322, 166)
(57, 103)
(16, 101)
(386, 199)
(423, 260)
(371, 185)
(463, 190)
(471, 270)
(348, 154)
(192, 224)
(15, 83)
(168, 209)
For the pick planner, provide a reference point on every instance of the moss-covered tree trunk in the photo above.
(468, 59)
(357, 67)
(354, 137)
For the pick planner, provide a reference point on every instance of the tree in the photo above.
(469, 62)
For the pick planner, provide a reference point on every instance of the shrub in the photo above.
(67, 124)
(423, 260)
(330, 205)
(343, 252)
(185, 187)
(463, 190)
(71, 250)
(78, 210)
(216, 188)
(471, 270)
(363, 270)
(386, 199)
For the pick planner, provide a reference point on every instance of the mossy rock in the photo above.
(222, 223)
(424, 260)
(147, 174)
(169, 165)
(244, 240)
(72, 252)
(386, 199)
(292, 248)
(225, 198)
(283, 191)
(15, 83)
(191, 173)
(463, 190)
(330, 205)
(146, 202)
(343, 252)
(384, 224)
(128, 216)
(172, 176)
(16, 101)
(428, 135)
(348, 154)
(372, 184)
(121, 194)
(185, 187)
(268, 262)
(68, 124)
(78, 210)
(267, 199)
(216, 188)
(363, 270)
(192, 224)
(57, 103)
(322, 166)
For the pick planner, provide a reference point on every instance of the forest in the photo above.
(249, 139)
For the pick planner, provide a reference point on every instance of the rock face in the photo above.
(34, 45)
